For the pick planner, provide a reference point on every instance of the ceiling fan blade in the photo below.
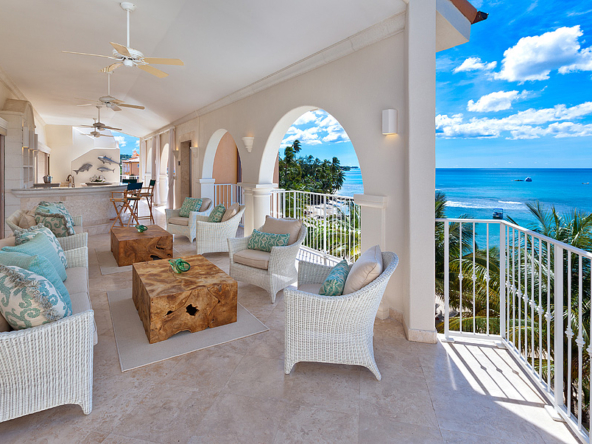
(121, 49)
(111, 67)
(110, 128)
(131, 106)
(161, 61)
(86, 126)
(114, 107)
(94, 55)
(152, 70)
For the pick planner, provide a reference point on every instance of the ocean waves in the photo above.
(486, 204)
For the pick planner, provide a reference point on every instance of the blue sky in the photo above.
(519, 94)
(126, 143)
(321, 136)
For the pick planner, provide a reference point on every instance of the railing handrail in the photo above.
(540, 236)
(282, 190)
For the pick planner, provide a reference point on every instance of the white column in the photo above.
(195, 172)
(373, 226)
(207, 188)
(421, 89)
(163, 188)
(257, 204)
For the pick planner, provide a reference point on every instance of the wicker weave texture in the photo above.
(186, 230)
(75, 241)
(47, 366)
(333, 329)
(282, 265)
(212, 237)
(13, 220)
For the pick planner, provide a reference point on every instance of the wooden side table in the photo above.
(168, 303)
(128, 246)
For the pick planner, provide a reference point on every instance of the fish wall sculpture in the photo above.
(106, 159)
(103, 169)
(84, 167)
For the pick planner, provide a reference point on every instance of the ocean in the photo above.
(477, 192)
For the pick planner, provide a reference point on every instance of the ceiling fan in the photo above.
(124, 55)
(110, 101)
(98, 126)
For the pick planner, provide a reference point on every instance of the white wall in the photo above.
(92, 158)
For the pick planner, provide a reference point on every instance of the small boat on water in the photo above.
(528, 179)
(498, 213)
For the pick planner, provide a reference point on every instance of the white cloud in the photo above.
(137, 143)
(529, 124)
(121, 141)
(315, 128)
(496, 101)
(474, 64)
(533, 58)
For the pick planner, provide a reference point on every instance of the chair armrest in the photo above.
(203, 219)
(77, 257)
(283, 258)
(74, 241)
(171, 213)
(237, 244)
(77, 221)
(206, 212)
(310, 273)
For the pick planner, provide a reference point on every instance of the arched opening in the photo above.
(319, 173)
(222, 163)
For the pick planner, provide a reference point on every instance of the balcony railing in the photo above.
(530, 294)
(227, 194)
(333, 223)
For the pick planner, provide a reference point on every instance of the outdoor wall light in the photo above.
(248, 141)
(389, 121)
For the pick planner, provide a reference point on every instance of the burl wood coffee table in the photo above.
(128, 246)
(203, 297)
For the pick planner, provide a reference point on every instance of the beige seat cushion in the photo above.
(76, 281)
(253, 258)
(282, 226)
(367, 268)
(206, 203)
(80, 302)
(231, 211)
(7, 242)
(179, 221)
(27, 219)
(310, 288)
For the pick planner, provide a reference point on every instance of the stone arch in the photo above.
(210, 153)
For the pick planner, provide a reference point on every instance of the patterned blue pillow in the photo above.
(55, 217)
(27, 299)
(264, 241)
(41, 266)
(190, 204)
(22, 236)
(41, 246)
(217, 214)
(335, 282)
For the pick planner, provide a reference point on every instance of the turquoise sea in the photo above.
(477, 192)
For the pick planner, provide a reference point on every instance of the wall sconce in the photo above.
(389, 121)
(248, 141)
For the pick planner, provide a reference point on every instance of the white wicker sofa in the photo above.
(212, 237)
(186, 226)
(272, 271)
(333, 329)
(14, 220)
(52, 365)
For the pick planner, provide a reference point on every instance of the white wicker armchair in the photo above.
(188, 230)
(49, 365)
(212, 237)
(281, 271)
(14, 219)
(333, 329)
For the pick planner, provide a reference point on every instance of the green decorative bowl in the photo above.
(141, 228)
(179, 265)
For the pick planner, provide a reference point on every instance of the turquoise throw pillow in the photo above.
(190, 204)
(28, 299)
(41, 266)
(41, 246)
(217, 214)
(335, 282)
(55, 217)
(22, 236)
(265, 241)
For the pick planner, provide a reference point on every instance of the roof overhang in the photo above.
(453, 22)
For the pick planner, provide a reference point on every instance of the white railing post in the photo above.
(447, 282)
(558, 318)
(502, 283)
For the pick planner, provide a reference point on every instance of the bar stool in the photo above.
(148, 194)
(131, 194)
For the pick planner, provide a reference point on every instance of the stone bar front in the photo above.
(93, 203)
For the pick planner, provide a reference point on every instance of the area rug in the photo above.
(108, 264)
(135, 350)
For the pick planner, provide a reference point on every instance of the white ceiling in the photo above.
(225, 44)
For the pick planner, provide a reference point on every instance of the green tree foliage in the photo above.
(309, 173)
